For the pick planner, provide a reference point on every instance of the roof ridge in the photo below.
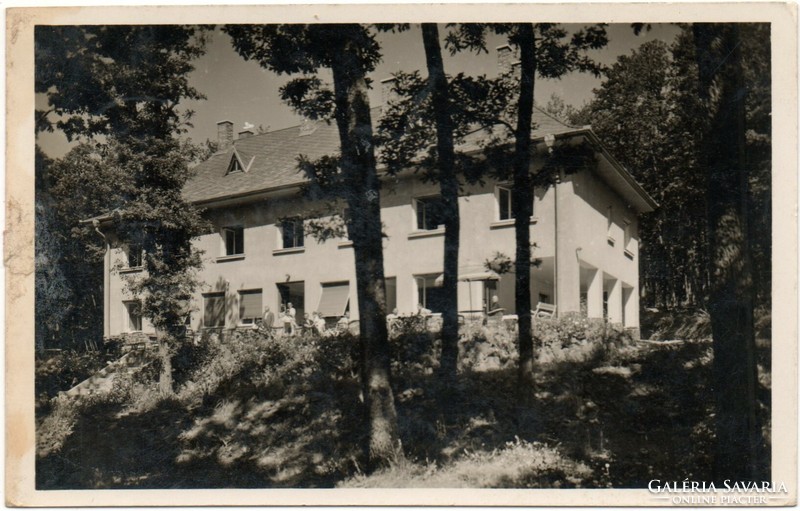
(566, 125)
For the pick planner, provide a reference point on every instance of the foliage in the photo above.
(646, 113)
(158, 219)
(572, 339)
(487, 348)
(499, 263)
(69, 279)
(517, 464)
(350, 51)
(126, 83)
(723, 160)
(545, 50)
(566, 113)
(253, 411)
(122, 80)
(61, 370)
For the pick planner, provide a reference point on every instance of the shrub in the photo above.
(60, 371)
(576, 339)
(568, 339)
(414, 350)
(490, 347)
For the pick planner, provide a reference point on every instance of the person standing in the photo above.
(292, 315)
(268, 319)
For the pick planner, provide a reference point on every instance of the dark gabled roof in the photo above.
(270, 159)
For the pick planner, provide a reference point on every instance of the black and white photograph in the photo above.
(402, 248)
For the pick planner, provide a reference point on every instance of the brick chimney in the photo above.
(507, 61)
(224, 134)
(247, 131)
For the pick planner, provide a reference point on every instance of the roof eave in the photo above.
(649, 202)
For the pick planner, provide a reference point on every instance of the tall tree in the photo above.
(548, 51)
(448, 183)
(645, 112)
(126, 83)
(350, 51)
(444, 109)
(724, 159)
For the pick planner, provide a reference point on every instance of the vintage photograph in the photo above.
(428, 254)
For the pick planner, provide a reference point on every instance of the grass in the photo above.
(249, 413)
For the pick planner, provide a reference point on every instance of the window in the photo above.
(235, 165)
(430, 213)
(134, 255)
(133, 312)
(214, 310)
(347, 219)
(627, 234)
(234, 240)
(429, 292)
(250, 306)
(609, 224)
(505, 203)
(489, 293)
(391, 293)
(292, 232)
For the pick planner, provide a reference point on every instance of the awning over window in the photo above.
(484, 275)
(333, 301)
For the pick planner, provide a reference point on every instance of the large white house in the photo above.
(258, 254)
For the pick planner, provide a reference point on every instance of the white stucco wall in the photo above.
(408, 252)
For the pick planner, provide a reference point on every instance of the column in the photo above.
(107, 291)
(614, 290)
(594, 295)
(567, 267)
(630, 297)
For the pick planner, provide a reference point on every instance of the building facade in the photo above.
(260, 253)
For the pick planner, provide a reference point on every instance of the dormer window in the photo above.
(235, 165)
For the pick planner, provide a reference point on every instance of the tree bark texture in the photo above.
(522, 194)
(739, 442)
(165, 376)
(448, 184)
(358, 163)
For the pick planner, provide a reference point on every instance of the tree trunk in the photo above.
(165, 377)
(522, 195)
(448, 184)
(739, 442)
(358, 164)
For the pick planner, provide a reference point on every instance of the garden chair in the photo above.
(544, 310)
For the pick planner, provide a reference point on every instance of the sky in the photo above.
(243, 92)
